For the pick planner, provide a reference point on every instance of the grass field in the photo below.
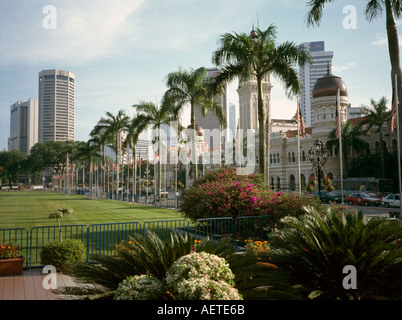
(31, 209)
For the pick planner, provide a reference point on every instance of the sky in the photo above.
(121, 51)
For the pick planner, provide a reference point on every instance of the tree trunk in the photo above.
(393, 49)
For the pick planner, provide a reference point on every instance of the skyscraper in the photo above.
(23, 125)
(309, 73)
(56, 105)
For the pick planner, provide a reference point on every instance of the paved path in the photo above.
(29, 286)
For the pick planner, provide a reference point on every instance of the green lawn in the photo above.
(31, 209)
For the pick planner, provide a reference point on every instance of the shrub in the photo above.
(201, 276)
(206, 289)
(222, 193)
(312, 250)
(61, 254)
(140, 287)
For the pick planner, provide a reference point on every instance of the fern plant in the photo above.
(312, 251)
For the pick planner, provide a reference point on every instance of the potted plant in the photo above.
(11, 260)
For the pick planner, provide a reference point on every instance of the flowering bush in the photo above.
(141, 287)
(222, 193)
(257, 246)
(10, 250)
(206, 289)
(201, 276)
(199, 265)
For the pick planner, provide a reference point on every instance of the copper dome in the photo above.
(328, 85)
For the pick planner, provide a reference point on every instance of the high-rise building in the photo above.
(23, 125)
(309, 73)
(210, 121)
(56, 105)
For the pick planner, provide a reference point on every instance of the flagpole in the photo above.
(339, 124)
(298, 145)
(399, 148)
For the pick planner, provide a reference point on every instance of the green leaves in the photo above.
(314, 248)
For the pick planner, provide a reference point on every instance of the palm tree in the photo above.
(374, 8)
(377, 116)
(134, 128)
(350, 139)
(150, 115)
(110, 128)
(192, 88)
(257, 55)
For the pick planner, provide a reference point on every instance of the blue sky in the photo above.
(121, 51)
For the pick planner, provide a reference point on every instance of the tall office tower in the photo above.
(23, 125)
(309, 73)
(210, 121)
(56, 105)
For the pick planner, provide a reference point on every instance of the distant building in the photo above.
(210, 121)
(56, 105)
(355, 112)
(310, 73)
(23, 125)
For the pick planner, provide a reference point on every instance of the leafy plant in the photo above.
(10, 250)
(148, 255)
(141, 287)
(58, 214)
(222, 193)
(63, 254)
(312, 250)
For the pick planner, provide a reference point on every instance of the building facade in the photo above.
(23, 125)
(310, 73)
(56, 105)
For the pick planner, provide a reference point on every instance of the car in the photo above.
(392, 200)
(330, 197)
(164, 193)
(362, 198)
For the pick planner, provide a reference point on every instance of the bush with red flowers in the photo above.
(223, 193)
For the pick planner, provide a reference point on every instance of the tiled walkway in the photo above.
(29, 286)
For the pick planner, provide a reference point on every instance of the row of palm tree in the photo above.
(239, 56)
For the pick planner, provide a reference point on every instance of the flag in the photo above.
(300, 121)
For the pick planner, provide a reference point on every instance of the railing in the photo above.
(102, 238)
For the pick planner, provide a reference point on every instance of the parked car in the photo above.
(392, 200)
(164, 193)
(330, 197)
(362, 199)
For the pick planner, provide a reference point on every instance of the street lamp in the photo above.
(318, 156)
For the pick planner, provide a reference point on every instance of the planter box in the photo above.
(10, 267)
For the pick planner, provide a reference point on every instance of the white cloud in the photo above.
(382, 39)
(85, 30)
(340, 69)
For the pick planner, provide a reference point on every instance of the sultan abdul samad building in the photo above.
(283, 158)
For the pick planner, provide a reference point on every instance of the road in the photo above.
(372, 211)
